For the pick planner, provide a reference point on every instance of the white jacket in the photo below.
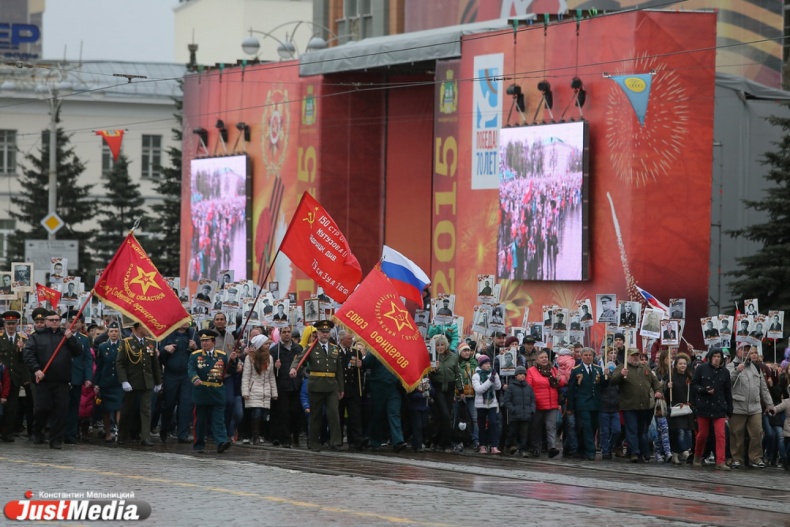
(482, 388)
(260, 388)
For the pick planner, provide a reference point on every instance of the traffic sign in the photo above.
(52, 222)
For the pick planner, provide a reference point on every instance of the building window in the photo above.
(107, 163)
(7, 152)
(357, 21)
(152, 156)
(7, 228)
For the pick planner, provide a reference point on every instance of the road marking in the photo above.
(274, 499)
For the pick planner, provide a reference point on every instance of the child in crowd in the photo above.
(519, 399)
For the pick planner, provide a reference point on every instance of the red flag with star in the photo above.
(374, 312)
(131, 284)
(47, 294)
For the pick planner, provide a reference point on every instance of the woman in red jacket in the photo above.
(545, 381)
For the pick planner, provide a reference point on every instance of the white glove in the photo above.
(157, 388)
(127, 387)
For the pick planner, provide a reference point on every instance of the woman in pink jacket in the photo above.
(546, 382)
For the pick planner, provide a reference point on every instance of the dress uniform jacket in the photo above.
(137, 364)
(587, 395)
(106, 377)
(326, 368)
(11, 356)
(210, 371)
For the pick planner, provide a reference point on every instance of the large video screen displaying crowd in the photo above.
(219, 216)
(541, 193)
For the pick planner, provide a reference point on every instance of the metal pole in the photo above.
(53, 145)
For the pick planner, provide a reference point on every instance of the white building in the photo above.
(91, 98)
(218, 27)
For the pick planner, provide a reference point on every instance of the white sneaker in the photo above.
(710, 460)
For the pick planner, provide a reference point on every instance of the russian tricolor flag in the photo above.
(408, 278)
(653, 301)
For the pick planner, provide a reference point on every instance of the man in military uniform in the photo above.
(324, 385)
(584, 398)
(11, 344)
(206, 370)
(352, 397)
(175, 351)
(627, 316)
(139, 372)
(559, 324)
(52, 387)
(81, 375)
(607, 313)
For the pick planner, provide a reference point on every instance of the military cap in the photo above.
(114, 325)
(11, 316)
(233, 290)
(559, 315)
(529, 340)
(53, 313)
(609, 298)
(207, 334)
(324, 325)
(40, 313)
(633, 351)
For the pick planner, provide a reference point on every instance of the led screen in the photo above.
(220, 190)
(543, 202)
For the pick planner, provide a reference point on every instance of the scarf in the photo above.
(546, 372)
(488, 396)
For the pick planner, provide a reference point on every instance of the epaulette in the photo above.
(220, 352)
(577, 366)
(197, 351)
(128, 338)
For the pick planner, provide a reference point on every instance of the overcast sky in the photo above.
(130, 30)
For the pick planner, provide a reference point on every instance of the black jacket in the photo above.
(719, 403)
(286, 357)
(519, 399)
(176, 363)
(40, 347)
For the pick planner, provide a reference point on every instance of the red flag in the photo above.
(47, 294)
(315, 245)
(113, 138)
(376, 314)
(131, 284)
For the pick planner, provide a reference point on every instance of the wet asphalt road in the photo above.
(276, 486)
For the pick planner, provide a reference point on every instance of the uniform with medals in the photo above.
(324, 385)
(206, 370)
(139, 372)
(584, 399)
(11, 357)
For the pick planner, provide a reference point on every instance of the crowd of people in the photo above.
(323, 390)
(215, 225)
(533, 212)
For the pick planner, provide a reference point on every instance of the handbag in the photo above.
(679, 410)
(469, 390)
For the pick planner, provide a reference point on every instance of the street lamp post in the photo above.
(52, 199)
(286, 49)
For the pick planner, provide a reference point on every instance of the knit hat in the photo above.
(619, 336)
(521, 370)
(482, 359)
(464, 346)
(564, 351)
(258, 341)
(510, 341)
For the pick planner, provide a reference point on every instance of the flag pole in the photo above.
(84, 304)
(260, 290)
(71, 326)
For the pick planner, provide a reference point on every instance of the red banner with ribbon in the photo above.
(47, 294)
(131, 284)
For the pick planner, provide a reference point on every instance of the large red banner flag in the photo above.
(376, 314)
(47, 294)
(131, 284)
(315, 245)
(113, 139)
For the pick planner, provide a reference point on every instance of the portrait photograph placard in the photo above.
(670, 331)
(677, 308)
(776, 324)
(443, 308)
(651, 323)
(605, 307)
(485, 289)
